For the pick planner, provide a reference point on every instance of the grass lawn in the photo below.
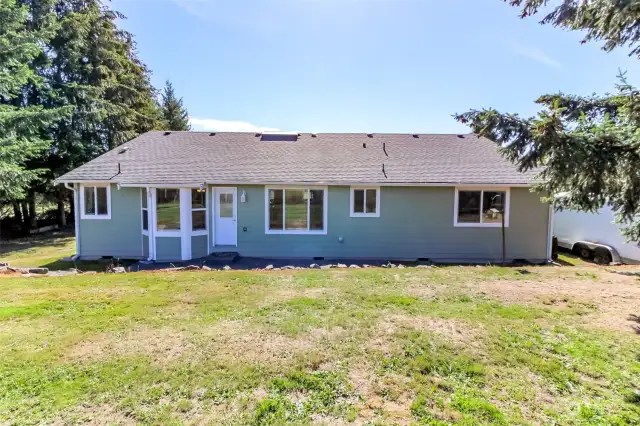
(450, 345)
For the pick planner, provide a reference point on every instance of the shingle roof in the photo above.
(327, 158)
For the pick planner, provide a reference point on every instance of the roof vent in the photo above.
(258, 135)
(370, 135)
(123, 150)
(212, 134)
(460, 136)
(415, 135)
(314, 135)
(167, 133)
(279, 136)
(364, 144)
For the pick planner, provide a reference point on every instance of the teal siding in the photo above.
(168, 248)
(199, 246)
(414, 222)
(145, 246)
(120, 236)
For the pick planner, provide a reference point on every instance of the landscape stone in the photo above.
(269, 267)
(341, 265)
(227, 268)
(118, 270)
(354, 266)
(192, 268)
(314, 266)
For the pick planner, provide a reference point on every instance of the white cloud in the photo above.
(535, 54)
(211, 124)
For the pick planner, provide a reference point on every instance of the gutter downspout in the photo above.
(76, 220)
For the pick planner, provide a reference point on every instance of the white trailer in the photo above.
(594, 235)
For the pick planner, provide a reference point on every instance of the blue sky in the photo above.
(380, 66)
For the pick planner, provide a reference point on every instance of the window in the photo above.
(296, 210)
(145, 210)
(481, 207)
(168, 209)
(198, 210)
(95, 202)
(365, 202)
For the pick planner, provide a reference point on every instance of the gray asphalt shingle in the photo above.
(328, 158)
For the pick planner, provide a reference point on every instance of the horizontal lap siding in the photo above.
(168, 248)
(120, 236)
(414, 222)
(199, 246)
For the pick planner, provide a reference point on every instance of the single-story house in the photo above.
(168, 196)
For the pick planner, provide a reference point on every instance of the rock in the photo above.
(314, 266)
(392, 265)
(90, 273)
(192, 268)
(384, 265)
(401, 266)
(326, 267)
(288, 267)
(269, 267)
(206, 268)
(40, 271)
(354, 266)
(227, 268)
(341, 265)
(4, 265)
(277, 269)
(118, 270)
(424, 266)
(366, 266)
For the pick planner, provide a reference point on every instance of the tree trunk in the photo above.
(61, 216)
(33, 218)
(17, 213)
(72, 207)
(25, 217)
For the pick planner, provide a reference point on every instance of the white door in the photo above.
(225, 228)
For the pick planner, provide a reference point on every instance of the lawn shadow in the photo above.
(49, 239)
(636, 320)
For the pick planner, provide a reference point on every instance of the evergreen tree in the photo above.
(21, 122)
(174, 113)
(587, 148)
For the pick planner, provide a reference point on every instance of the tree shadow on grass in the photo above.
(49, 239)
(636, 320)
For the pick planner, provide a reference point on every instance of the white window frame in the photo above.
(325, 208)
(507, 207)
(83, 215)
(145, 193)
(204, 231)
(352, 201)
(170, 232)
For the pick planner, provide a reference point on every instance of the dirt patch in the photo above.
(456, 331)
(162, 345)
(611, 297)
(97, 415)
(383, 398)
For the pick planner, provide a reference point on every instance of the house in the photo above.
(168, 196)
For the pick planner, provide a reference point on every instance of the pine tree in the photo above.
(174, 113)
(587, 148)
(21, 122)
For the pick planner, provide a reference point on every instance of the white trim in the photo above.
(507, 207)
(76, 217)
(185, 223)
(328, 183)
(142, 209)
(151, 193)
(352, 200)
(550, 232)
(325, 208)
(83, 215)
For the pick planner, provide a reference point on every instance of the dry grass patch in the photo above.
(456, 331)
(383, 398)
(95, 415)
(240, 340)
(162, 345)
(613, 297)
